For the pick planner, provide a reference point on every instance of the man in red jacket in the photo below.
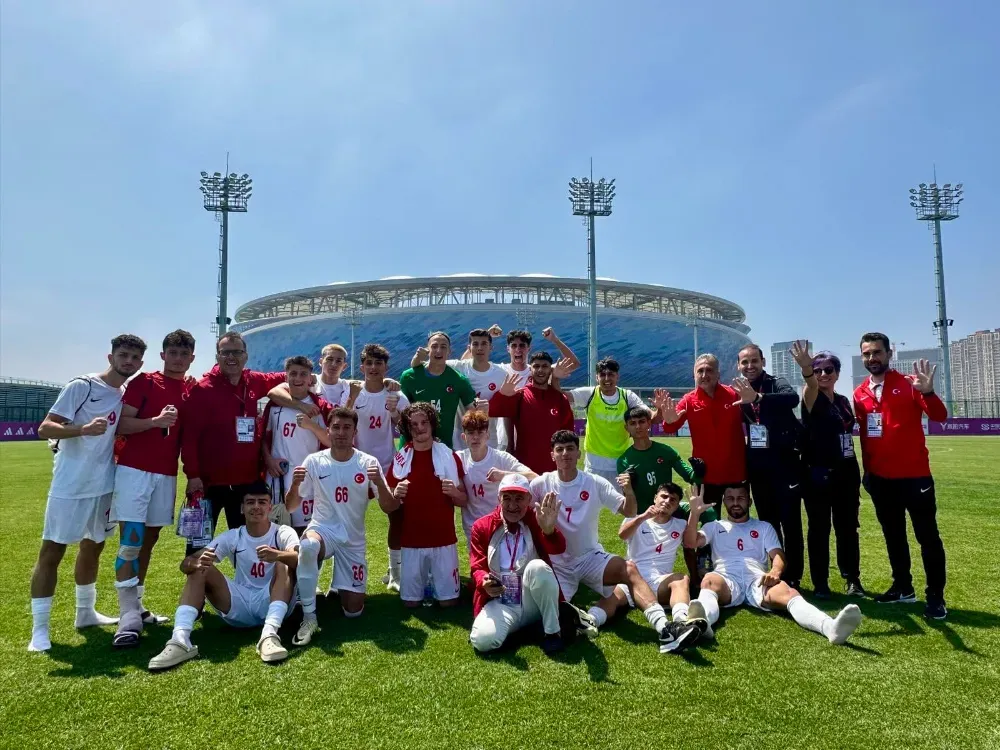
(220, 445)
(537, 411)
(512, 571)
(713, 411)
(889, 407)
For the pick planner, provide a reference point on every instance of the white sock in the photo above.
(352, 615)
(308, 574)
(843, 625)
(184, 623)
(395, 560)
(598, 614)
(808, 616)
(656, 617)
(140, 591)
(679, 611)
(41, 610)
(86, 596)
(275, 616)
(710, 601)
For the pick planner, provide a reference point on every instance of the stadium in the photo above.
(651, 329)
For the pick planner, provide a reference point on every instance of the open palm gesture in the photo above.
(669, 412)
(801, 354)
(745, 391)
(562, 368)
(923, 376)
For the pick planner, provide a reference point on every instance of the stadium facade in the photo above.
(651, 329)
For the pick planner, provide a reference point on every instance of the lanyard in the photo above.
(512, 553)
(877, 401)
(755, 408)
(243, 401)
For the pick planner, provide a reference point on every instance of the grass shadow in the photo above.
(583, 650)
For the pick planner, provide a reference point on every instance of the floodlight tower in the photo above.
(224, 195)
(935, 204)
(354, 316)
(591, 199)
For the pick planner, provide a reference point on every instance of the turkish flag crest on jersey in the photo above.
(754, 534)
(674, 534)
(359, 478)
(659, 460)
(554, 412)
(450, 389)
(584, 495)
(493, 386)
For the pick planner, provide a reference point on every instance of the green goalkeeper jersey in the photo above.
(444, 392)
(650, 468)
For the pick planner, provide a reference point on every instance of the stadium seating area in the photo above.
(26, 400)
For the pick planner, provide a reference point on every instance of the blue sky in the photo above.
(762, 151)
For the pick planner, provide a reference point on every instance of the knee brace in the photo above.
(131, 543)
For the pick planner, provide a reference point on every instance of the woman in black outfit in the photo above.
(833, 478)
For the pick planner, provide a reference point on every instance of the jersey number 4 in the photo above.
(257, 570)
(340, 495)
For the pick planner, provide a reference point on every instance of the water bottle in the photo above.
(429, 590)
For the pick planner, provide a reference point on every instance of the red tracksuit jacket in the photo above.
(716, 433)
(537, 414)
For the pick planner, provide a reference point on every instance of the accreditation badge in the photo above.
(875, 424)
(758, 436)
(511, 595)
(246, 427)
(847, 445)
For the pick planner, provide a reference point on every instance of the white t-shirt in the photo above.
(505, 426)
(482, 492)
(581, 397)
(485, 384)
(512, 546)
(341, 491)
(288, 440)
(85, 465)
(741, 549)
(241, 550)
(581, 500)
(654, 546)
(375, 434)
(336, 394)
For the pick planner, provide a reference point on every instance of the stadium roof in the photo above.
(472, 288)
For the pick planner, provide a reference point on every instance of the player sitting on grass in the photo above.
(747, 564)
(654, 539)
(264, 556)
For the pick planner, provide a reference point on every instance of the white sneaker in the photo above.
(385, 578)
(696, 611)
(88, 618)
(393, 583)
(844, 624)
(305, 632)
(173, 653)
(271, 650)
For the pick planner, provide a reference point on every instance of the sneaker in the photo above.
(271, 650)
(305, 632)
(822, 592)
(895, 596)
(385, 578)
(392, 584)
(552, 643)
(677, 636)
(151, 618)
(935, 609)
(697, 616)
(854, 588)
(579, 621)
(173, 653)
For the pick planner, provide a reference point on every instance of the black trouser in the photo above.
(833, 493)
(777, 494)
(892, 499)
(228, 497)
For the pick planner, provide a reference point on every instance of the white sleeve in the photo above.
(71, 398)
(224, 544)
(462, 365)
(287, 538)
(708, 531)
(508, 463)
(307, 490)
(403, 401)
(770, 538)
(632, 399)
(611, 498)
(538, 488)
(580, 396)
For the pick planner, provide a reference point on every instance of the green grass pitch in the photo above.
(400, 678)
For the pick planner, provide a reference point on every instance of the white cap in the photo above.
(514, 483)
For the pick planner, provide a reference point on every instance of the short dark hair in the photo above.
(432, 334)
(745, 486)
(404, 418)
(128, 341)
(760, 352)
(876, 336)
(480, 333)
(825, 356)
(539, 355)
(179, 338)
(344, 413)
(257, 487)
(564, 437)
(672, 488)
(519, 335)
(634, 412)
(608, 363)
(301, 360)
(374, 351)
(230, 336)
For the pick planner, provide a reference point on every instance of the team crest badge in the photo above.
(359, 478)
(554, 412)
(674, 535)
(450, 389)
(493, 386)
(584, 495)
(754, 534)
(659, 460)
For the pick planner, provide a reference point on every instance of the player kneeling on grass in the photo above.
(264, 556)
(747, 565)
(654, 539)
(338, 483)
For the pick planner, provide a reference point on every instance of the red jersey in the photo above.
(537, 413)
(901, 450)
(716, 433)
(220, 442)
(428, 513)
(152, 450)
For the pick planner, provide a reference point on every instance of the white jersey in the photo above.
(505, 426)
(288, 440)
(336, 394)
(741, 549)
(482, 492)
(340, 491)
(85, 466)
(581, 500)
(654, 546)
(485, 384)
(240, 549)
(375, 434)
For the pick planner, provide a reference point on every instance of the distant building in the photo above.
(781, 364)
(975, 374)
(903, 361)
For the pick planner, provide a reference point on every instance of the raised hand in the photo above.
(800, 353)
(373, 471)
(510, 383)
(745, 391)
(697, 500)
(624, 480)
(495, 330)
(547, 511)
(660, 395)
(422, 354)
(391, 385)
(548, 334)
(166, 418)
(392, 401)
(95, 427)
(562, 368)
(669, 411)
(298, 475)
(923, 376)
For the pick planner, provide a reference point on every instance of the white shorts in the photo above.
(350, 564)
(610, 474)
(417, 563)
(587, 568)
(69, 520)
(651, 576)
(742, 592)
(248, 605)
(143, 496)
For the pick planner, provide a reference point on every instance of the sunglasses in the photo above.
(829, 370)
(232, 352)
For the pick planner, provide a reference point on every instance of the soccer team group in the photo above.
(495, 441)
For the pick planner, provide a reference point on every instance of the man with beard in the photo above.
(889, 407)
